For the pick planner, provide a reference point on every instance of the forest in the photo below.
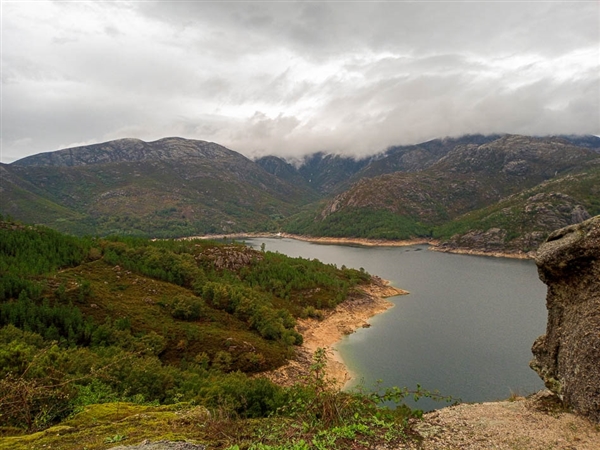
(367, 223)
(90, 321)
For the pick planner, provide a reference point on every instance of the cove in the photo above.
(465, 329)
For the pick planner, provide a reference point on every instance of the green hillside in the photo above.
(453, 189)
(521, 222)
(467, 192)
(94, 331)
(168, 188)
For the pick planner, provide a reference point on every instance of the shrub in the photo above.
(187, 307)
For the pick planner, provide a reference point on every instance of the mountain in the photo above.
(587, 141)
(415, 158)
(430, 199)
(495, 193)
(284, 171)
(521, 222)
(331, 174)
(169, 187)
(324, 173)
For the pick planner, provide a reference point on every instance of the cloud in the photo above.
(294, 78)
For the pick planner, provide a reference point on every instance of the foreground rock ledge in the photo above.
(567, 357)
(536, 423)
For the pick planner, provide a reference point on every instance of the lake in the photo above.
(465, 329)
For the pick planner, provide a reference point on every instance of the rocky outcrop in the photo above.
(129, 150)
(526, 224)
(231, 257)
(567, 357)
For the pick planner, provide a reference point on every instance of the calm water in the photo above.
(466, 328)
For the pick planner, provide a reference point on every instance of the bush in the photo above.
(246, 397)
(187, 307)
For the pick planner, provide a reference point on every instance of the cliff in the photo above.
(567, 357)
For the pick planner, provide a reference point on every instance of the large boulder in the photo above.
(567, 357)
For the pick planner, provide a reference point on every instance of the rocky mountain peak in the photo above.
(128, 150)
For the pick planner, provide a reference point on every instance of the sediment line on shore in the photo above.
(434, 244)
(344, 319)
(322, 240)
(474, 252)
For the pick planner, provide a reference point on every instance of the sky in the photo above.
(292, 78)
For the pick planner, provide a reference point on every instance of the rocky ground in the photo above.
(536, 423)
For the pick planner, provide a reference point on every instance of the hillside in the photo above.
(521, 222)
(488, 194)
(148, 321)
(96, 355)
(454, 195)
(332, 174)
(170, 187)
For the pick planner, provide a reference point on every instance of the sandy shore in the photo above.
(360, 241)
(320, 240)
(346, 318)
(466, 251)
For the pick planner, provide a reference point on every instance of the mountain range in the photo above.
(494, 193)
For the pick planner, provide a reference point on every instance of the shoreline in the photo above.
(434, 244)
(321, 240)
(359, 241)
(347, 317)
(473, 252)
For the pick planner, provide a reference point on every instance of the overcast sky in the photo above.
(291, 78)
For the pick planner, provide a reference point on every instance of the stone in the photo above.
(567, 357)
(161, 445)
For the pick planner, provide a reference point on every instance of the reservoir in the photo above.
(465, 329)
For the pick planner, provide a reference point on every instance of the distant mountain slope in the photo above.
(521, 222)
(130, 150)
(455, 189)
(170, 187)
(415, 158)
(23, 199)
(467, 178)
(586, 141)
(331, 174)
(321, 172)
(284, 171)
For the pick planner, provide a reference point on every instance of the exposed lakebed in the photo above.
(466, 328)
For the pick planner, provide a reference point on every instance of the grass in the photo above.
(316, 416)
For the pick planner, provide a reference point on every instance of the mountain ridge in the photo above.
(449, 189)
(128, 149)
(170, 187)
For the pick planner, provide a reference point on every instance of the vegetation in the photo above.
(366, 223)
(255, 415)
(113, 327)
(536, 211)
(175, 188)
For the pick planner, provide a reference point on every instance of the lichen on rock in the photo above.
(567, 357)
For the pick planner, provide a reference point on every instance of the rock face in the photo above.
(567, 357)
(539, 214)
